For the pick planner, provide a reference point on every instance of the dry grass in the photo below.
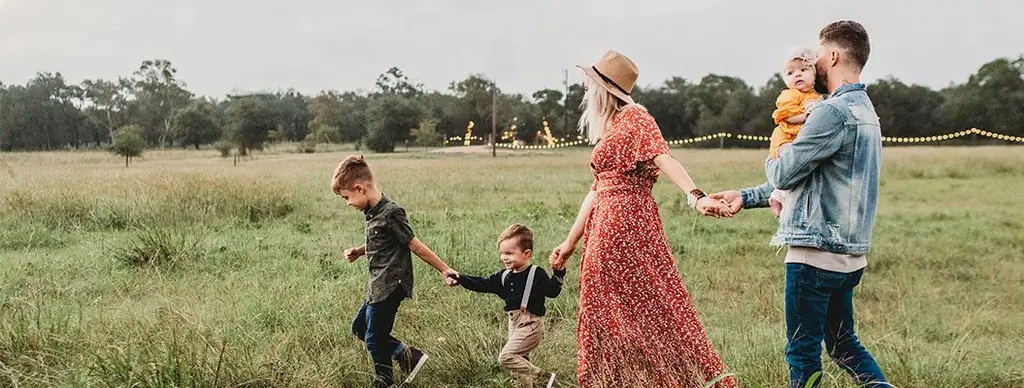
(254, 293)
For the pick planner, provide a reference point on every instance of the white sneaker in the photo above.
(413, 363)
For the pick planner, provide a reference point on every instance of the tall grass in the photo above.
(186, 271)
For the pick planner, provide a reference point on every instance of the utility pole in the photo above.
(494, 120)
(1, 129)
(565, 104)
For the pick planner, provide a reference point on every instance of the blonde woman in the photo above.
(637, 324)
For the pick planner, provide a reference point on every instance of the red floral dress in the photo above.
(637, 324)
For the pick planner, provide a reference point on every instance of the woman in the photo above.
(637, 324)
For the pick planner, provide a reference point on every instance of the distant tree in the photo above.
(128, 142)
(196, 125)
(250, 119)
(426, 134)
(391, 118)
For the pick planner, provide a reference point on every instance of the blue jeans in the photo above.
(819, 306)
(373, 324)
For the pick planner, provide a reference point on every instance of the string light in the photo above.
(547, 133)
(469, 133)
(954, 135)
(889, 139)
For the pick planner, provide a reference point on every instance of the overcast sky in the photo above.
(311, 45)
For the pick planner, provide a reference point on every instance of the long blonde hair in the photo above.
(598, 106)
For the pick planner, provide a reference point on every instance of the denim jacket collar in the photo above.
(846, 88)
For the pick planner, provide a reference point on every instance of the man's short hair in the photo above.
(850, 37)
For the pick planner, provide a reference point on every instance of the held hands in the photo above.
(714, 208)
(451, 278)
(732, 198)
(561, 253)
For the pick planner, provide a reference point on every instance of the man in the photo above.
(832, 170)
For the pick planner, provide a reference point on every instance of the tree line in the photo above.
(153, 107)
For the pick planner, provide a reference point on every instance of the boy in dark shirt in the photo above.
(523, 286)
(389, 242)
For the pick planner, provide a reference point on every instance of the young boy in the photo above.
(792, 107)
(523, 287)
(389, 242)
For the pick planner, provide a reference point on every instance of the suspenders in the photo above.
(529, 285)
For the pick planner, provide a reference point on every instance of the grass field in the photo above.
(184, 271)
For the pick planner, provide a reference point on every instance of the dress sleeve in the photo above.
(646, 141)
(787, 105)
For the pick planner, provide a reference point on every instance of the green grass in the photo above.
(185, 271)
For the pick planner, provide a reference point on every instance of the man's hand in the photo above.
(353, 254)
(732, 197)
(714, 208)
(451, 278)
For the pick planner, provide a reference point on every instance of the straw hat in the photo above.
(615, 72)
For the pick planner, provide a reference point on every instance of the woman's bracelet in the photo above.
(694, 196)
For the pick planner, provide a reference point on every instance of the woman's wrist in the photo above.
(695, 196)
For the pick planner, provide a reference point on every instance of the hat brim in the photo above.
(589, 71)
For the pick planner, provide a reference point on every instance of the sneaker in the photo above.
(412, 363)
(551, 381)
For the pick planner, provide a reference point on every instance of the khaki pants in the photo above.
(525, 332)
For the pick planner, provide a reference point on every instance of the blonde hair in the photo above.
(598, 105)
(351, 171)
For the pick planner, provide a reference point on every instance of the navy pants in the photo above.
(819, 307)
(373, 325)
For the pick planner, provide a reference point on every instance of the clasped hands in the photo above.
(721, 204)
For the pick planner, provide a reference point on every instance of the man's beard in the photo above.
(821, 83)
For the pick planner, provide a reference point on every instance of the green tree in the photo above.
(158, 94)
(196, 124)
(249, 119)
(906, 110)
(293, 115)
(394, 82)
(327, 115)
(391, 118)
(128, 142)
(426, 134)
(108, 100)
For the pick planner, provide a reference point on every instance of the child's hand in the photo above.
(353, 254)
(557, 266)
(776, 207)
(451, 278)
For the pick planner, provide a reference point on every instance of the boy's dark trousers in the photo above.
(373, 324)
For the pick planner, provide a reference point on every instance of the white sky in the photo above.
(311, 45)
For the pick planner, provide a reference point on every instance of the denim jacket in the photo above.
(832, 171)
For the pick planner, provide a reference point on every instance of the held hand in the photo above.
(451, 278)
(561, 253)
(714, 208)
(776, 207)
(352, 254)
(732, 197)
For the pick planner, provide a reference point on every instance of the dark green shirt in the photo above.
(387, 249)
